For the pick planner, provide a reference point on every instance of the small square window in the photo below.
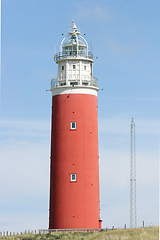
(74, 66)
(62, 67)
(73, 177)
(73, 125)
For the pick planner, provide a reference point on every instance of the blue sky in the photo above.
(125, 37)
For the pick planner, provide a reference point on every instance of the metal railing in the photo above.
(56, 82)
(94, 82)
(72, 53)
(43, 231)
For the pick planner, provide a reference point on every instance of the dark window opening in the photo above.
(73, 177)
(73, 83)
(85, 83)
(73, 125)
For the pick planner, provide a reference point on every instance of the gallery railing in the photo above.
(56, 82)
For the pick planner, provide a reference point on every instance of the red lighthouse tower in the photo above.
(74, 170)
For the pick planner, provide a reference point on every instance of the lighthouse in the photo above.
(74, 166)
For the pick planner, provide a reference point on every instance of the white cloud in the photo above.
(25, 147)
(25, 168)
(119, 49)
(21, 221)
(121, 125)
(114, 137)
(91, 10)
(115, 168)
(24, 129)
(115, 188)
(24, 164)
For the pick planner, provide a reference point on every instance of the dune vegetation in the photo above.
(147, 233)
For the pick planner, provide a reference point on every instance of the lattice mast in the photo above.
(133, 217)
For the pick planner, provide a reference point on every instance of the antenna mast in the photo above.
(133, 217)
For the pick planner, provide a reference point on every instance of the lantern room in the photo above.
(74, 61)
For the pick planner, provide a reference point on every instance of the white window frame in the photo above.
(74, 67)
(73, 180)
(71, 125)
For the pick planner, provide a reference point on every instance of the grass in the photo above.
(147, 233)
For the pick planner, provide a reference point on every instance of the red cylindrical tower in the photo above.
(74, 170)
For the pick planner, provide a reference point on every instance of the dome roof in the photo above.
(73, 41)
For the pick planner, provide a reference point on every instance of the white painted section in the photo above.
(74, 90)
(81, 72)
(66, 72)
(74, 57)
